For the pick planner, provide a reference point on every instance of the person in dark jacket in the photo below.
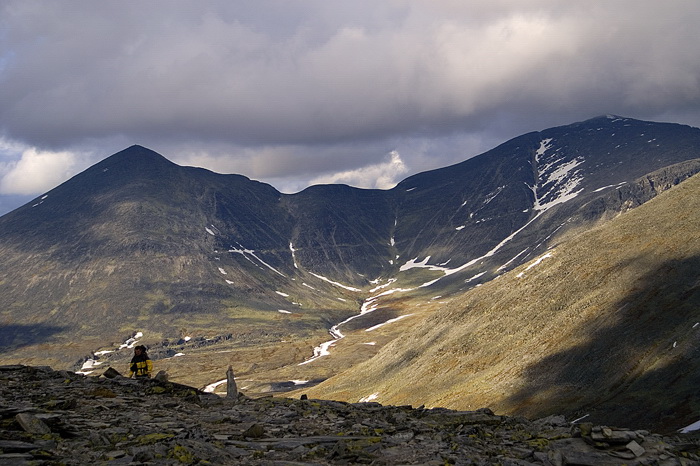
(141, 365)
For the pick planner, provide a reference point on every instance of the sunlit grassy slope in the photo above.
(604, 323)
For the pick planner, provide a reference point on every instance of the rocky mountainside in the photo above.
(139, 245)
(605, 324)
(58, 417)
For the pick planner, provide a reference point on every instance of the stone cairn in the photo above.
(50, 417)
(231, 389)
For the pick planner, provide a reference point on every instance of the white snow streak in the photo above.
(294, 257)
(379, 287)
(610, 186)
(131, 342)
(91, 363)
(491, 196)
(692, 427)
(335, 283)
(210, 388)
(539, 259)
(250, 252)
(368, 398)
(563, 179)
(322, 350)
(474, 277)
(396, 319)
(515, 257)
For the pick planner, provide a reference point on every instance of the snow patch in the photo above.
(319, 351)
(390, 321)
(609, 186)
(491, 196)
(335, 283)
(294, 257)
(248, 253)
(562, 179)
(212, 386)
(513, 259)
(380, 287)
(88, 366)
(131, 342)
(368, 306)
(474, 277)
(369, 398)
(692, 427)
(539, 259)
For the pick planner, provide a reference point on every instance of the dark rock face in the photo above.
(58, 417)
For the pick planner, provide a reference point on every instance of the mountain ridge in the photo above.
(139, 244)
(621, 353)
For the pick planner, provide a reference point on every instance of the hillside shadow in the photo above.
(17, 336)
(640, 367)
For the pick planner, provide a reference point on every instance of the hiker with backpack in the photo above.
(141, 365)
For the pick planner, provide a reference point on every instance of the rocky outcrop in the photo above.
(59, 417)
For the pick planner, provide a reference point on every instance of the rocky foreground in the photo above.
(58, 417)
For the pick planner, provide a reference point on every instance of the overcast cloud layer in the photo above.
(295, 93)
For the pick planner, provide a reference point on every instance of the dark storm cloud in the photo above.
(318, 90)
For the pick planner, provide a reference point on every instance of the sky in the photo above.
(364, 93)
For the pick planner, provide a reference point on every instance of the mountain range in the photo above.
(537, 277)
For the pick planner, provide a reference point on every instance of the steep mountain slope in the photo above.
(501, 207)
(603, 324)
(139, 244)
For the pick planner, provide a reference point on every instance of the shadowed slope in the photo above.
(604, 323)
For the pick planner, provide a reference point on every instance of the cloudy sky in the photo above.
(365, 92)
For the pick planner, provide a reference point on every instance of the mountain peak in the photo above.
(607, 117)
(135, 159)
(138, 153)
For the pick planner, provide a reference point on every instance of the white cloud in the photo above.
(36, 171)
(383, 175)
